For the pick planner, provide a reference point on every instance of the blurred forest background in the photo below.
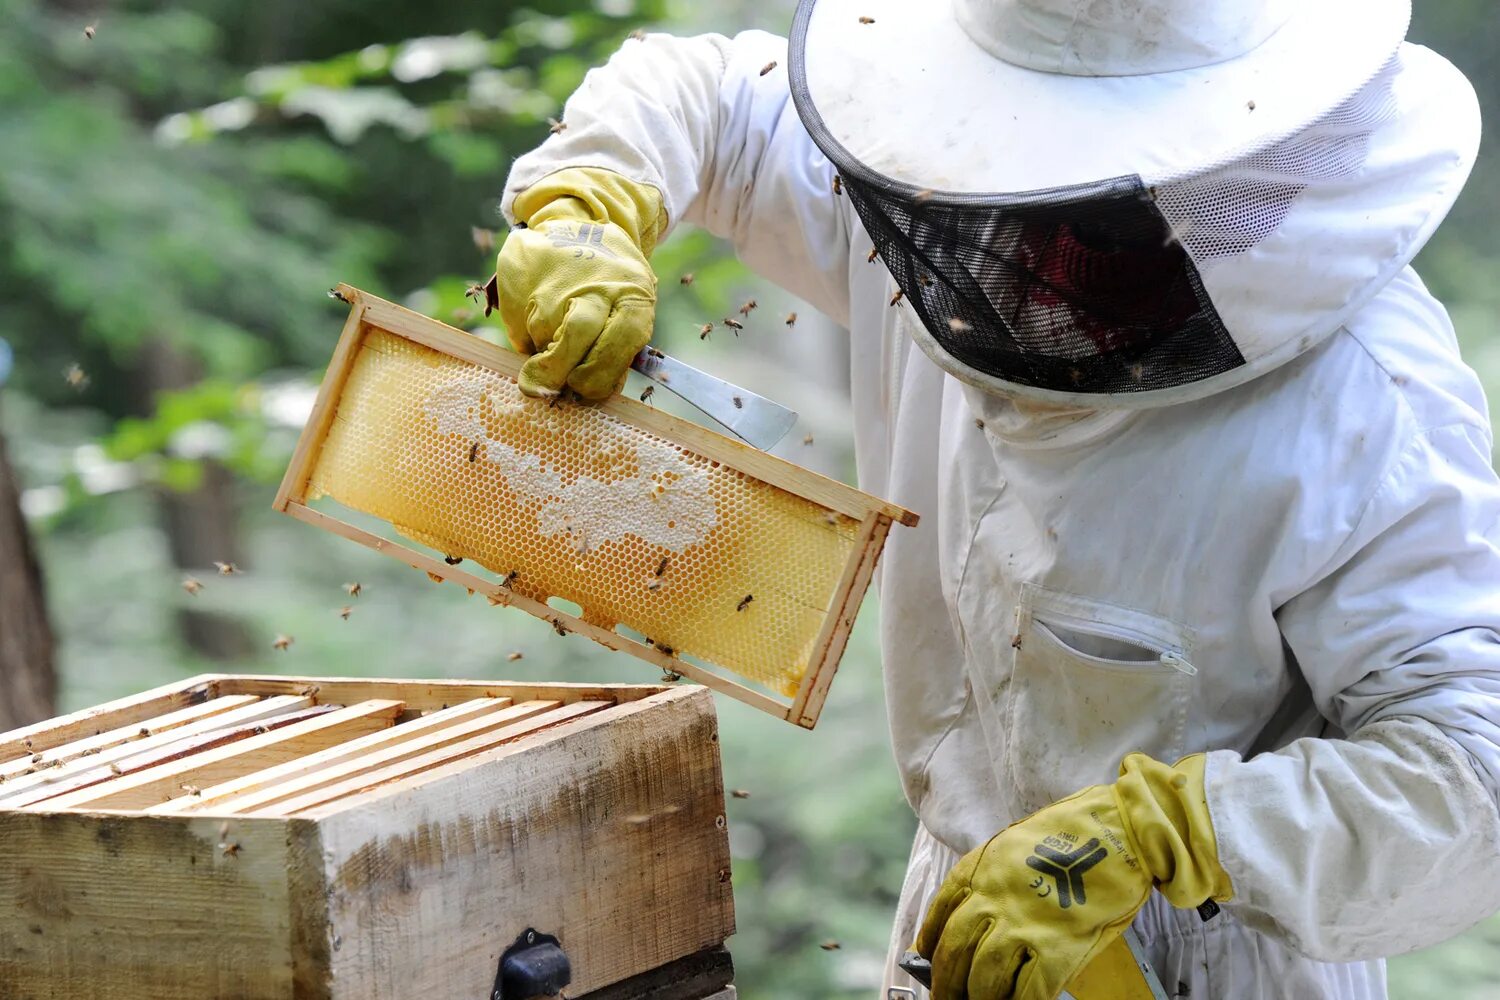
(180, 183)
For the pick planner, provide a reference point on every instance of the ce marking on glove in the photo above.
(587, 242)
(1066, 870)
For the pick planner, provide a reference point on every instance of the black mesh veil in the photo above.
(1082, 289)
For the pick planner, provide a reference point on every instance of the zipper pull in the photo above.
(1175, 660)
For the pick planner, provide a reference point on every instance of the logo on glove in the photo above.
(588, 241)
(1066, 869)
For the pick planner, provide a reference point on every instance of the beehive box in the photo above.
(268, 838)
(694, 552)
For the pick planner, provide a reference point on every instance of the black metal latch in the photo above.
(532, 968)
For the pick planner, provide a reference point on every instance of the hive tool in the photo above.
(753, 419)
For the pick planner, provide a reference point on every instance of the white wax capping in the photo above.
(653, 492)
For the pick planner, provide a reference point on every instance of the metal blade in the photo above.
(753, 419)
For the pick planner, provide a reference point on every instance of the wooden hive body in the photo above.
(270, 838)
(685, 548)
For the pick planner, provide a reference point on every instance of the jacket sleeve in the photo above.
(1387, 840)
(698, 119)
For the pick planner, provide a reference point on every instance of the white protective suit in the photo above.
(1300, 574)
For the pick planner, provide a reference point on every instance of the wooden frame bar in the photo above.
(92, 769)
(274, 782)
(125, 734)
(147, 788)
(438, 757)
(368, 312)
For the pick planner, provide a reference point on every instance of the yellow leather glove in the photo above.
(1022, 915)
(576, 290)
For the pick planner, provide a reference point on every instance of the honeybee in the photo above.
(744, 602)
(705, 330)
(192, 585)
(661, 567)
(740, 793)
(282, 642)
(791, 319)
(686, 279)
(895, 299)
(647, 393)
(334, 293)
(739, 404)
(749, 305)
(226, 568)
(831, 945)
(559, 627)
(734, 325)
(345, 612)
(838, 185)
(957, 325)
(866, 20)
(556, 127)
(230, 848)
(353, 589)
(768, 67)
(484, 239)
(870, 257)
(807, 439)
(474, 452)
(76, 377)
(453, 560)
(89, 29)
(191, 789)
(115, 769)
(510, 578)
(513, 657)
(639, 35)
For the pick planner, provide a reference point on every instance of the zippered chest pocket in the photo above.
(1090, 683)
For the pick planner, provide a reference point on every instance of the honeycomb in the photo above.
(567, 501)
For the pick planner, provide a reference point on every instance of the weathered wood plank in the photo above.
(528, 717)
(94, 768)
(285, 780)
(155, 784)
(607, 831)
(143, 908)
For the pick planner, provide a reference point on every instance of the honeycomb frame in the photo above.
(374, 320)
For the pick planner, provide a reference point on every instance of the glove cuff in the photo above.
(1165, 811)
(596, 195)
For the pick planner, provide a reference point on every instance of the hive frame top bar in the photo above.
(875, 516)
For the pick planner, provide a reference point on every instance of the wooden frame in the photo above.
(876, 516)
(593, 812)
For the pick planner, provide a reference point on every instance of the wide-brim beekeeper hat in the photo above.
(1132, 202)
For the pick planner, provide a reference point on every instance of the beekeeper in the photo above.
(1206, 486)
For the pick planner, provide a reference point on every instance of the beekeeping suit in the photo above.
(1201, 472)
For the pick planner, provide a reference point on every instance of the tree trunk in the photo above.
(202, 527)
(28, 677)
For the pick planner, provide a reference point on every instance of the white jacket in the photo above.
(1300, 575)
